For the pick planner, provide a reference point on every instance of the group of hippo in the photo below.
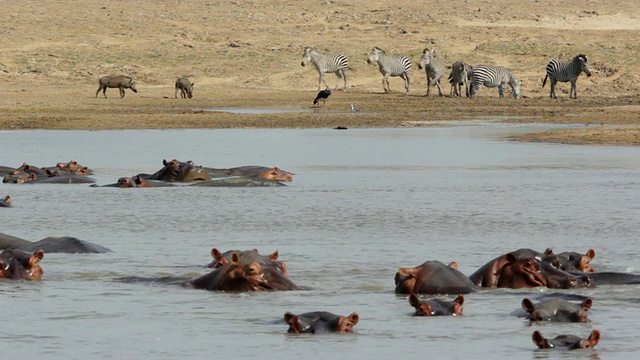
(171, 173)
(248, 270)
(122, 82)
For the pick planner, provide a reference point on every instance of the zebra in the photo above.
(460, 75)
(433, 67)
(493, 76)
(391, 65)
(563, 71)
(326, 64)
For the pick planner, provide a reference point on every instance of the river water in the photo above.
(363, 203)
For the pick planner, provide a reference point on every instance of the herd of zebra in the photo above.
(462, 74)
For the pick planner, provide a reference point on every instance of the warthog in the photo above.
(185, 86)
(119, 81)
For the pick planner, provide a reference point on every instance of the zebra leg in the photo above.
(572, 93)
(439, 90)
(552, 92)
(405, 76)
(501, 91)
(428, 85)
(344, 77)
(385, 84)
(322, 80)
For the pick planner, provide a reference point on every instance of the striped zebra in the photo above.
(391, 65)
(460, 75)
(563, 71)
(434, 68)
(326, 64)
(493, 76)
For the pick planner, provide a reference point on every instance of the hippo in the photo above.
(318, 322)
(19, 178)
(117, 81)
(436, 307)
(557, 310)
(6, 202)
(65, 178)
(178, 171)
(238, 277)
(566, 342)
(185, 86)
(19, 265)
(73, 167)
(261, 172)
(520, 269)
(576, 262)
(136, 181)
(64, 244)
(433, 277)
(246, 257)
(611, 278)
(241, 181)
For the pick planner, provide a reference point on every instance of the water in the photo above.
(363, 203)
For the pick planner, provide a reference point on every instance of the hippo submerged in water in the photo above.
(566, 342)
(261, 172)
(62, 173)
(178, 171)
(557, 310)
(6, 202)
(19, 265)
(65, 244)
(318, 322)
(433, 277)
(436, 307)
(246, 257)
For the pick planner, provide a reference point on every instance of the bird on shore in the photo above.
(6, 202)
(322, 95)
(353, 108)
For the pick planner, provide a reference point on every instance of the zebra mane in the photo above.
(377, 48)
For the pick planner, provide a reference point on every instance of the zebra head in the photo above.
(515, 87)
(375, 55)
(426, 58)
(306, 57)
(583, 63)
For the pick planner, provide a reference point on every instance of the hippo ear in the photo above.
(36, 257)
(539, 340)
(548, 251)
(527, 305)
(453, 265)
(164, 162)
(591, 254)
(215, 253)
(512, 257)
(32, 176)
(459, 300)
(294, 325)
(137, 180)
(407, 271)
(354, 318)
(235, 258)
(594, 338)
(586, 305)
(414, 301)
(3, 265)
(274, 256)
(288, 316)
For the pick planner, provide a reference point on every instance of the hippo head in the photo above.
(558, 312)
(125, 182)
(309, 323)
(220, 259)
(298, 324)
(175, 170)
(568, 342)
(531, 272)
(429, 308)
(405, 280)
(576, 262)
(18, 265)
(346, 323)
(236, 277)
(276, 174)
(6, 202)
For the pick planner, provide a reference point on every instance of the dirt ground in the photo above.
(247, 54)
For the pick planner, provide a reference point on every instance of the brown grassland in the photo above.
(247, 54)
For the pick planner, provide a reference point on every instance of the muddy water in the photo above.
(362, 204)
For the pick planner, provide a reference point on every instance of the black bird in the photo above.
(322, 95)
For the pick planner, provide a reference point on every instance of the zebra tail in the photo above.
(545, 80)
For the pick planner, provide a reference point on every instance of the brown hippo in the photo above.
(136, 181)
(318, 322)
(566, 342)
(239, 181)
(6, 202)
(73, 167)
(433, 277)
(246, 257)
(19, 178)
(19, 265)
(520, 269)
(261, 172)
(237, 277)
(557, 310)
(436, 307)
(178, 171)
